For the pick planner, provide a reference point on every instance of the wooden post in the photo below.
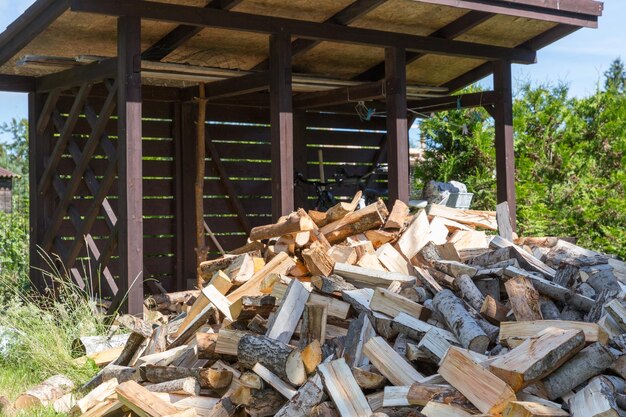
(503, 121)
(188, 209)
(177, 135)
(130, 164)
(281, 118)
(300, 157)
(397, 129)
(39, 147)
(201, 248)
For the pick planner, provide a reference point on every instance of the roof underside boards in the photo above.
(75, 34)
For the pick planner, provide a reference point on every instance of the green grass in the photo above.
(46, 329)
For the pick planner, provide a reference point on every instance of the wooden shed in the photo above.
(6, 190)
(112, 89)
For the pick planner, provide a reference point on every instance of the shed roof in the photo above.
(54, 28)
(5, 173)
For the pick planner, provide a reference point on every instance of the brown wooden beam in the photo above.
(582, 13)
(187, 208)
(17, 83)
(30, 24)
(461, 101)
(238, 86)
(397, 129)
(130, 239)
(503, 122)
(76, 76)
(281, 131)
(364, 92)
(181, 34)
(343, 17)
(195, 16)
(450, 31)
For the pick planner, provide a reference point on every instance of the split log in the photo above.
(276, 356)
(524, 299)
(435, 409)
(230, 310)
(205, 344)
(395, 368)
(532, 409)
(397, 216)
(549, 310)
(482, 388)
(395, 396)
(392, 259)
(279, 385)
(344, 254)
(552, 290)
(503, 218)
(98, 394)
(386, 302)
(493, 311)
(360, 332)
(140, 331)
(537, 357)
(45, 393)
(369, 278)
(370, 217)
(462, 323)
(454, 268)
(513, 333)
(416, 235)
(283, 324)
(312, 356)
(280, 264)
(317, 261)
(586, 364)
(433, 345)
(313, 324)
(331, 284)
(294, 223)
(342, 209)
(416, 329)
(120, 373)
(470, 291)
(310, 394)
(596, 399)
(475, 218)
(368, 380)
(335, 308)
(618, 312)
(227, 342)
(343, 389)
(142, 402)
(221, 282)
(90, 345)
(183, 386)
(421, 394)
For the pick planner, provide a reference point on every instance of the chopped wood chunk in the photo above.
(344, 390)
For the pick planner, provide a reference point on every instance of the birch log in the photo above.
(278, 357)
(460, 321)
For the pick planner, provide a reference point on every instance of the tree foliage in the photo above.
(570, 154)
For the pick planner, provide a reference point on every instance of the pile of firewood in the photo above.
(363, 312)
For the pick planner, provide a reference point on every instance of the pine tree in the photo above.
(615, 76)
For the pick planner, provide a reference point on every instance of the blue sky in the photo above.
(580, 59)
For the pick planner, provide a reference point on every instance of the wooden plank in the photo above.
(503, 123)
(17, 83)
(343, 389)
(75, 76)
(305, 29)
(285, 320)
(482, 388)
(130, 203)
(393, 366)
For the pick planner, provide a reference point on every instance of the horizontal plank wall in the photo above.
(237, 192)
(241, 140)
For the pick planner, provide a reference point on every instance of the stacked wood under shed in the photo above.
(376, 312)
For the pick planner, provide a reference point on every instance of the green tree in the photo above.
(615, 76)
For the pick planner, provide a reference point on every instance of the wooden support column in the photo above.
(299, 157)
(503, 121)
(40, 146)
(130, 165)
(187, 209)
(397, 129)
(281, 119)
